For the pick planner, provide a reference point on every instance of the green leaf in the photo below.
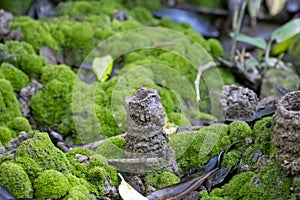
(287, 31)
(282, 46)
(260, 43)
(102, 67)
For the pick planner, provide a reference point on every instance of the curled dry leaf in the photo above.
(127, 192)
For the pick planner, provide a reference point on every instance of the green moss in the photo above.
(5, 134)
(239, 131)
(9, 105)
(19, 124)
(79, 9)
(25, 58)
(216, 47)
(143, 3)
(30, 166)
(51, 103)
(99, 161)
(77, 39)
(61, 73)
(269, 183)
(160, 180)
(78, 192)
(51, 184)
(263, 135)
(16, 7)
(193, 149)
(97, 176)
(13, 177)
(232, 158)
(78, 169)
(35, 32)
(112, 147)
(179, 119)
(41, 150)
(15, 76)
(107, 122)
(143, 15)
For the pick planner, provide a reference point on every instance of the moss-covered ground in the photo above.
(40, 170)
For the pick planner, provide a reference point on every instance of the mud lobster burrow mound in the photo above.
(287, 132)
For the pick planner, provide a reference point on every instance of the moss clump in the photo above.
(51, 184)
(15, 76)
(35, 32)
(160, 180)
(193, 149)
(19, 124)
(78, 192)
(216, 47)
(16, 7)
(263, 135)
(112, 147)
(85, 8)
(90, 171)
(30, 166)
(60, 73)
(13, 177)
(239, 130)
(51, 103)
(269, 183)
(179, 119)
(25, 58)
(78, 169)
(9, 105)
(5, 135)
(232, 158)
(40, 150)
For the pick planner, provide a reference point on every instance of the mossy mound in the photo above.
(25, 58)
(161, 179)
(9, 105)
(5, 135)
(51, 184)
(193, 149)
(42, 154)
(52, 102)
(15, 179)
(19, 124)
(15, 76)
(269, 183)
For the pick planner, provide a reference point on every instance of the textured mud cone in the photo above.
(237, 101)
(287, 134)
(145, 137)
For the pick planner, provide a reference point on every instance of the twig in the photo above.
(93, 145)
(236, 25)
(135, 160)
(197, 81)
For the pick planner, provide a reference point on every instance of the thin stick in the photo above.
(197, 81)
(236, 26)
(135, 160)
